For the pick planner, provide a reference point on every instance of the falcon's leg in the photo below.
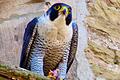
(37, 62)
(63, 67)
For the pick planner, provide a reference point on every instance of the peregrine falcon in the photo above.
(50, 41)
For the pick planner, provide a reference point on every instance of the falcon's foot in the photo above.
(53, 75)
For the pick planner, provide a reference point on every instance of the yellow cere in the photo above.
(62, 8)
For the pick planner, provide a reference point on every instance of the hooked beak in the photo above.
(64, 11)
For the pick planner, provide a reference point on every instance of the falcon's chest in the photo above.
(53, 40)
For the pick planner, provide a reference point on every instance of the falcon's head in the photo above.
(60, 11)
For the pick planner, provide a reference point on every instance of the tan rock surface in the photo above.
(104, 41)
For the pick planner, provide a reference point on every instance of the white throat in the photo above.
(56, 30)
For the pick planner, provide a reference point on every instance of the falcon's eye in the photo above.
(57, 7)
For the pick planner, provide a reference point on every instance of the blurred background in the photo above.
(101, 18)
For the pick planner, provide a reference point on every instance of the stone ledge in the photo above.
(16, 73)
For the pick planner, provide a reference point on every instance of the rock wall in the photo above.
(103, 51)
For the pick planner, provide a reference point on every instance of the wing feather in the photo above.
(73, 46)
(28, 39)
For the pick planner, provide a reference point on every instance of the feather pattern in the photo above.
(27, 41)
(53, 52)
(73, 46)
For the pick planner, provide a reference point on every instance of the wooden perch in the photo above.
(9, 73)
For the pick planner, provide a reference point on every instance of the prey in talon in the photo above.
(53, 75)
